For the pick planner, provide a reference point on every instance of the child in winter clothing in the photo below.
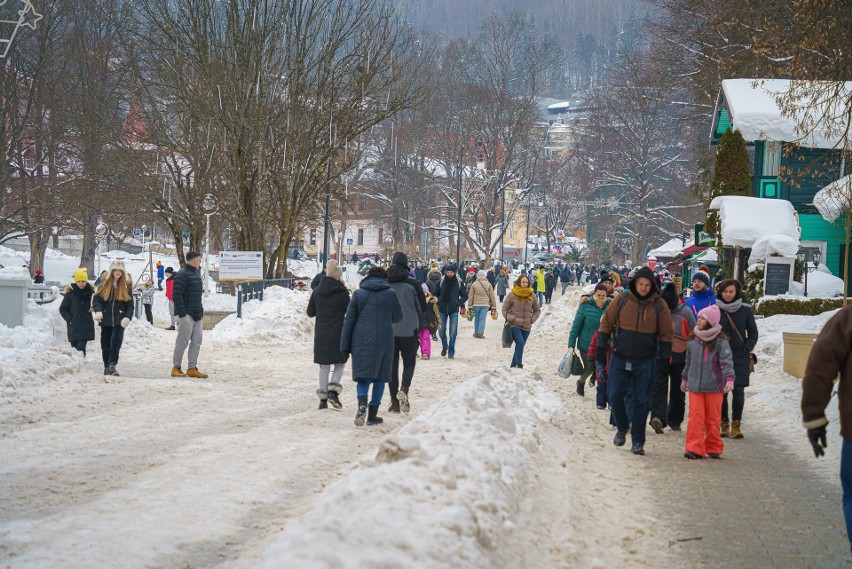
(170, 285)
(432, 318)
(148, 301)
(707, 375)
(600, 372)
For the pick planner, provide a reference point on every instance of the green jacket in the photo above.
(586, 323)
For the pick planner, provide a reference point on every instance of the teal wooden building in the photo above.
(785, 165)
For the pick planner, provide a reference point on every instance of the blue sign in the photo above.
(185, 233)
(350, 241)
(137, 233)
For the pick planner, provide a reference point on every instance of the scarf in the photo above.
(522, 292)
(729, 306)
(709, 334)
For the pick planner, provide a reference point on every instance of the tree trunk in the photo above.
(38, 245)
(90, 243)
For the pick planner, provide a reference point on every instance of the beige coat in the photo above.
(481, 293)
(521, 312)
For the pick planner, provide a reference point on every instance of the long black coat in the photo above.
(328, 304)
(114, 311)
(75, 311)
(368, 330)
(188, 293)
(744, 321)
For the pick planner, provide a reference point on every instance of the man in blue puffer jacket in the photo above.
(702, 295)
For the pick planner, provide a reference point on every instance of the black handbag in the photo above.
(577, 364)
(507, 335)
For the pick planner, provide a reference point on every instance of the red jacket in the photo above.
(170, 284)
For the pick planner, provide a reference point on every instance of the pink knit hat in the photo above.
(711, 314)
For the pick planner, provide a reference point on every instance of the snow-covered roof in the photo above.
(670, 248)
(746, 220)
(754, 111)
(834, 199)
(559, 106)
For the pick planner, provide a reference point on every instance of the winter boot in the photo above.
(361, 414)
(334, 390)
(638, 449)
(193, 372)
(177, 372)
(657, 425)
(581, 388)
(170, 328)
(404, 404)
(726, 429)
(444, 352)
(736, 431)
(323, 397)
(692, 456)
(620, 438)
(323, 404)
(394, 405)
(373, 416)
(111, 370)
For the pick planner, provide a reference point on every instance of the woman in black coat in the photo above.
(368, 336)
(113, 306)
(76, 311)
(742, 337)
(328, 305)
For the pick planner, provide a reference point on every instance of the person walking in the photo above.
(76, 310)
(741, 329)
(113, 306)
(161, 274)
(406, 332)
(432, 323)
(502, 284)
(452, 295)
(188, 294)
(148, 300)
(482, 300)
(421, 272)
(707, 374)
(540, 284)
(668, 402)
(565, 278)
(550, 280)
(170, 281)
(520, 310)
(101, 278)
(368, 336)
(328, 304)
(433, 277)
(830, 358)
(587, 320)
(702, 295)
(640, 326)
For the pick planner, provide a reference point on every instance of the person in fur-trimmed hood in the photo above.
(328, 304)
(76, 310)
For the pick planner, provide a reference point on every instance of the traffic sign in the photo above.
(350, 241)
(137, 232)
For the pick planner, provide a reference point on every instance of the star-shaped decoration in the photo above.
(28, 16)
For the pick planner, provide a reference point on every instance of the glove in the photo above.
(125, 322)
(817, 438)
(600, 373)
(683, 385)
(729, 386)
(99, 316)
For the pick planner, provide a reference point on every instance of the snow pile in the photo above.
(824, 284)
(280, 317)
(753, 107)
(834, 199)
(35, 353)
(218, 302)
(671, 248)
(746, 221)
(773, 246)
(15, 273)
(445, 491)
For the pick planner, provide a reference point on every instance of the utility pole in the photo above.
(327, 220)
(458, 221)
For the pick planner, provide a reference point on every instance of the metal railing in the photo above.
(251, 290)
(42, 294)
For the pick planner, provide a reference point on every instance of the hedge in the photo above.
(809, 307)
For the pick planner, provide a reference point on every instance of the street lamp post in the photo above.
(458, 220)
(209, 204)
(802, 254)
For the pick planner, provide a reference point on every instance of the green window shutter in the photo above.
(770, 188)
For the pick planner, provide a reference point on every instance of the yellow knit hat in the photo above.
(81, 274)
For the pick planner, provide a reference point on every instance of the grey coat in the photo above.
(707, 370)
(411, 299)
(368, 330)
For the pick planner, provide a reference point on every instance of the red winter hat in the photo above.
(38, 272)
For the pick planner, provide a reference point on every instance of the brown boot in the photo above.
(394, 406)
(726, 429)
(193, 372)
(404, 404)
(736, 431)
(176, 372)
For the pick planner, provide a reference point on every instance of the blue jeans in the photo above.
(480, 314)
(846, 484)
(540, 298)
(363, 390)
(453, 321)
(639, 380)
(520, 337)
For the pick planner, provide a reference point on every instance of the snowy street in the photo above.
(511, 470)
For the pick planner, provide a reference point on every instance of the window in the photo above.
(771, 157)
(360, 237)
(29, 164)
(362, 204)
(381, 235)
(313, 236)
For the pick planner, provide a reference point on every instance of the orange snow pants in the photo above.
(705, 420)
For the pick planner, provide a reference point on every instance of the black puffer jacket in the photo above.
(75, 311)
(328, 304)
(188, 293)
(743, 319)
(114, 311)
